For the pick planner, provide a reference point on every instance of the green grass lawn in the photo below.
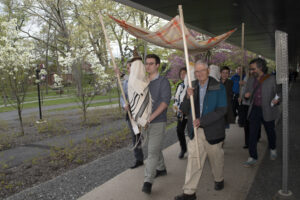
(67, 92)
(57, 102)
(52, 98)
(77, 107)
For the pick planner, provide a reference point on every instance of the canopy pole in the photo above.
(243, 55)
(189, 80)
(114, 64)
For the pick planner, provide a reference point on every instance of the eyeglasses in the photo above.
(152, 63)
(252, 69)
(200, 71)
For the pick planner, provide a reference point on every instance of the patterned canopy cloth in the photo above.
(170, 36)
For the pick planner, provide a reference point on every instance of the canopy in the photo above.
(170, 36)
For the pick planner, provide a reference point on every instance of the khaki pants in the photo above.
(155, 161)
(215, 155)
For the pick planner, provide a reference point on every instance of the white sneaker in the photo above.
(250, 162)
(273, 154)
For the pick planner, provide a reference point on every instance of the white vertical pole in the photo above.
(189, 80)
(281, 41)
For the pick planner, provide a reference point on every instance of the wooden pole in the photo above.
(243, 55)
(114, 63)
(189, 80)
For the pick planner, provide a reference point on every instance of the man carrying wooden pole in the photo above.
(206, 106)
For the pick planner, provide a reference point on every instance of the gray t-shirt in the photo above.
(160, 91)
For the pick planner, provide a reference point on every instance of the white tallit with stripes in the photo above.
(139, 97)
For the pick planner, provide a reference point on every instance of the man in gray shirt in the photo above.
(160, 91)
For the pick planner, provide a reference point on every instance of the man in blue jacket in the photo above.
(236, 93)
(210, 108)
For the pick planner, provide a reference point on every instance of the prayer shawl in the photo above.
(214, 71)
(138, 94)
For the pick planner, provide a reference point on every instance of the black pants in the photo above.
(235, 104)
(243, 113)
(255, 120)
(181, 124)
(138, 151)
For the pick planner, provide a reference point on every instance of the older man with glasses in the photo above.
(210, 107)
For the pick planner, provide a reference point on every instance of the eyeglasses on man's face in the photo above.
(200, 71)
(149, 64)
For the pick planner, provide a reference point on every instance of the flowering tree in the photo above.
(176, 62)
(88, 84)
(15, 65)
(223, 54)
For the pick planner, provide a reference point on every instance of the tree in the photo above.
(16, 65)
(78, 60)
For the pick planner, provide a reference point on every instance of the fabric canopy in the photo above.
(170, 36)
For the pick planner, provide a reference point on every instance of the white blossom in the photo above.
(43, 73)
(57, 81)
(15, 52)
(87, 55)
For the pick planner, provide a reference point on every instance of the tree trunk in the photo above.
(4, 100)
(83, 101)
(119, 96)
(46, 62)
(20, 119)
(109, 94)
(145, 49)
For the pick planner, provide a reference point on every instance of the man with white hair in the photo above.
(210, 108)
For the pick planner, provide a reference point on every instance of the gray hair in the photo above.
(201, 62)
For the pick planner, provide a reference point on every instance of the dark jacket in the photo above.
(229, 117)
(214, 110)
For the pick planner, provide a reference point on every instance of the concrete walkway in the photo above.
(238, 179)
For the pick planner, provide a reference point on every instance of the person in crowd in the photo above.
(138, 152)
(243, 111)
(181, 118)
(210, 109)
(263, 93)
(160, 91)
(236, 91)
(225, 71)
